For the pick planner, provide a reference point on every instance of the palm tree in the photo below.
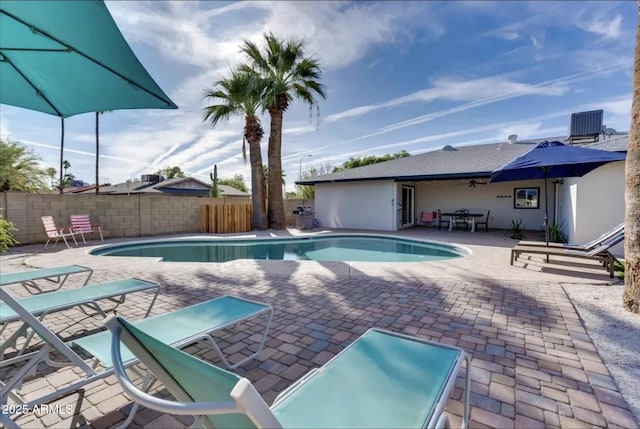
(51, 172)
(241, 94)
(631, 294)
(287, 75)
(66, 178)
(265, 170)
(65, 166)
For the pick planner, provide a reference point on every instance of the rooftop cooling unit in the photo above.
(153, 178)
(585, 126)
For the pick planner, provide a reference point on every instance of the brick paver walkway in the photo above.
(533, 363)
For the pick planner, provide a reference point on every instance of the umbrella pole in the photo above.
(61, 154)
(546, 212)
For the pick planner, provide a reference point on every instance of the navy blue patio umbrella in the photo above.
(554, 160)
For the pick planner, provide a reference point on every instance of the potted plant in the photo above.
(515, 229)
(556, 233)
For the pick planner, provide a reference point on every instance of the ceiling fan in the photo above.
(473, 183)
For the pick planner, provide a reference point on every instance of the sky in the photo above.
(412, 76)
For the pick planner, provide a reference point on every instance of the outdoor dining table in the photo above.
(471, 216)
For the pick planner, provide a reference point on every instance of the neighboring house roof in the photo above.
(462, 162)
(180, 186)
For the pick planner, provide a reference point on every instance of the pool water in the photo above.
(334, 248)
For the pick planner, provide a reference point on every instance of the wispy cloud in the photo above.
(608, 28)
(458, 89)
(618, 106)
(536, 42)
(552, 87)
(508, 34)
(56, 148)
(336, 31)
(333, 31)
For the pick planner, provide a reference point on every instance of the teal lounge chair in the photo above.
(178, 328)
(56, 276)
(45, 304)
(188, 325)
(382, 380)
(600, 253)
(613, 232)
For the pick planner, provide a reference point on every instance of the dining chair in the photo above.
(461, 219)
(443, 220)
(484, 222)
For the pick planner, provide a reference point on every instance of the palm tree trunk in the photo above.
(631, 295)
(274, 188)
(258, 200)
(97, 152)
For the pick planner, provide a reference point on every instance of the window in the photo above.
(526, 198)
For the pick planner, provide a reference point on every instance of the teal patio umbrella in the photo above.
(69, 57)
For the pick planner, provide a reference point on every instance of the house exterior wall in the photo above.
(367, 205)
(593, 204)
(585, 207)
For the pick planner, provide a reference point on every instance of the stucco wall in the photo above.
(586, 206)
(593, 204)
(368, 205)
(119, 215)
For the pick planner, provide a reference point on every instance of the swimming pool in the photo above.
(326, 248)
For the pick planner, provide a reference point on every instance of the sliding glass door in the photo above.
(408, 205)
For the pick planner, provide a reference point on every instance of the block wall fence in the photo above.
(139, 215)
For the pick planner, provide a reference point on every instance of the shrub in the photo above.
(516, 229)
(556, 233)
(619, 266)
(6, 238)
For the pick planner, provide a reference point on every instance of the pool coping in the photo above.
(459, 250)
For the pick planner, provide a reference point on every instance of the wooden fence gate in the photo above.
(221, 216)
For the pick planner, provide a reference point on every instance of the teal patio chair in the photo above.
(382, 380)
(177, 328)
(33, 280)
(45, 304)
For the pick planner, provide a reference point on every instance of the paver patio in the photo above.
(534, 364)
